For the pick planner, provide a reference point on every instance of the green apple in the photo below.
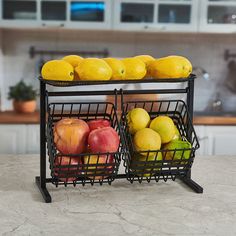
(177, 155)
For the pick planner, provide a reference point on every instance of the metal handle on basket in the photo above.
(122, 100)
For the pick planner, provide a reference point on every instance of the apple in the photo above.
(70, 135)
(99, 123)
(98, 159)
(66, 172)
(103, 140)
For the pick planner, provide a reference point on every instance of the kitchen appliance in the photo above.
(230, 81)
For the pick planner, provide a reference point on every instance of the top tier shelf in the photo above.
(57, 83)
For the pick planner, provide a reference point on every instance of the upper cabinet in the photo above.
(157, 15)
(19, 13)
(53, 13)
(218, 16)
(80, 14)
(131, 15)
(90, 14)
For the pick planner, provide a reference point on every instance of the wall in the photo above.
(204, 50)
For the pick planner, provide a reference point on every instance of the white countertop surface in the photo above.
(164, 208)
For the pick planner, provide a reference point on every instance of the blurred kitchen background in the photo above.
(34, 31)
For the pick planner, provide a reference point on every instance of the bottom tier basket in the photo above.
(73, 169)
(160, 164)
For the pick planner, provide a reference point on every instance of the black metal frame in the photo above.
(41, 180)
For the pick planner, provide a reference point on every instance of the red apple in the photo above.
(103, 140)
(99, 123)
(70, 135)
(101, 169)
(64, 174)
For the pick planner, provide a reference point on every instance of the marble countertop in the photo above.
(164, 208)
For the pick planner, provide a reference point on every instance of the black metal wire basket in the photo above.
(84, 167)
(160, 164)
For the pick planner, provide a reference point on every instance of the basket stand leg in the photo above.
(192, 184)
(41, 180)
(187, 179)
(46, 196)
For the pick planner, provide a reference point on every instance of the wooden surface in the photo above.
(10, 117)
(214, 120)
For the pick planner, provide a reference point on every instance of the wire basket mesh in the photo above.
(87, 167)
(164, 163)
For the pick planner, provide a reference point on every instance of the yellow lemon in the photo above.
(146, 59)
(118, 68)
(141, 164)
(147, 139)
(177, 135)
(137, 119)
(57, 70)
(170, 67)
(165, 127)
(74, 60)
(135, 68)
(94, 69)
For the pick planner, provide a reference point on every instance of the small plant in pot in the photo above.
(24, 97)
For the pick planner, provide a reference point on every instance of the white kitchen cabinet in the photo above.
(156, 15)
(217, 16)
(90, 14)
(19, 13)
(201, 135)
(78, 14)
(32, 139)
(12, 139)
(19, 139)
(216, 140)
(221, 140)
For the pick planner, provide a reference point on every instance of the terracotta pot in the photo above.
(24, 106)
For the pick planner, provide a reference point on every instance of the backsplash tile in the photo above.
(204, 50)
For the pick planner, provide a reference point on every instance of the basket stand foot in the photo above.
(193, 185)
(46, 196)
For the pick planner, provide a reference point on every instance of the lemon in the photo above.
(140, 164)
(147, 139)
(137, 119)
(94, 69)
(177, 135)
(118, 68)
(74, 60)
(146, 59)
(170, 67)
(177, 155)
(57, 70)
(135, 68)
(165, 127)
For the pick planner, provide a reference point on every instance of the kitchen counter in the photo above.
(10, 117)
(214, 120)
(164, 208)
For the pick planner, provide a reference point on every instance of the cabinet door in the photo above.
(177, 15)
(53, 13)
(218, 16)
(19, 13)
(90, 14)
(202, 138)
(134, 15)
(33, 139)
(221, 140)
(12, 139)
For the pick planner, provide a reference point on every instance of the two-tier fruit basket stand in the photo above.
(96, 173)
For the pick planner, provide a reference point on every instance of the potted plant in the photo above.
(24, 97)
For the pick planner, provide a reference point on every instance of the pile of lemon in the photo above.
(73, 67)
